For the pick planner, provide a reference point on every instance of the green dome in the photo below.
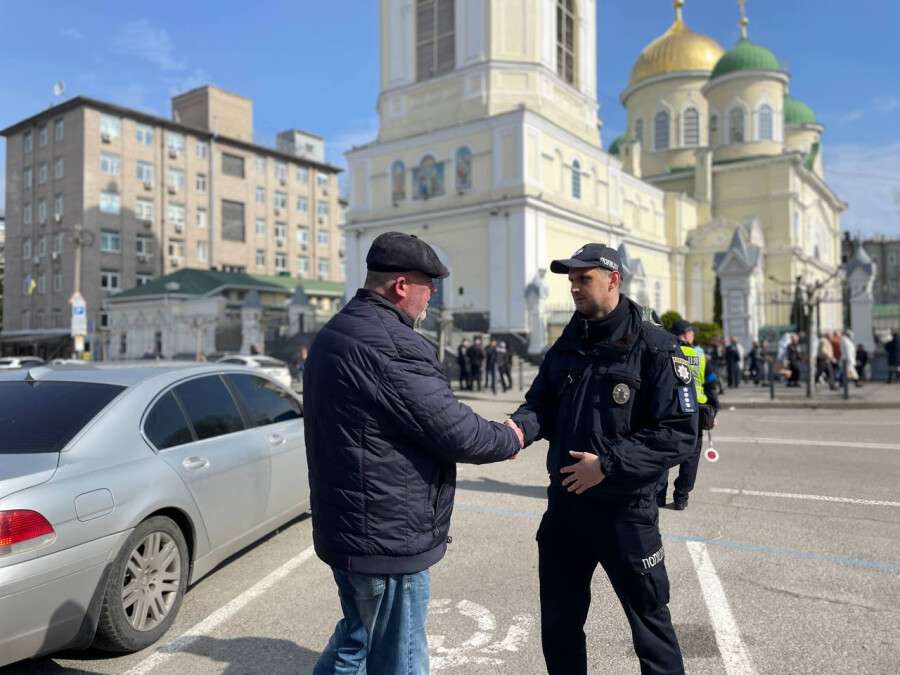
(797, 112)
(745, 56)
(616, 144)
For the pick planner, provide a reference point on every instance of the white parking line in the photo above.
(218, 617)
(728, 637)
(819, 419)
(751, 440)
(815, 498)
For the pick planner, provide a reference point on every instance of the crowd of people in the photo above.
(479, 366)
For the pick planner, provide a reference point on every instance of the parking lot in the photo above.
(786, 561)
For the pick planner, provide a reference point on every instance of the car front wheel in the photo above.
(144, 588)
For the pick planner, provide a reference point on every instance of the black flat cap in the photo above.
(681, 327)
(398, 252)
(589, 255)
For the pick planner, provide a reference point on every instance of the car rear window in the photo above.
(209, 405)
(44, 416)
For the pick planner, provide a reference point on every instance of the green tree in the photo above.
(705, 333)
(669, 318)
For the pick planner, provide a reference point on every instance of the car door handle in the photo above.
(276, 439)
(195, 463)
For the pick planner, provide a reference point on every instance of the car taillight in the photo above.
(22, 530)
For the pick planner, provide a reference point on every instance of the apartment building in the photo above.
(142, 196)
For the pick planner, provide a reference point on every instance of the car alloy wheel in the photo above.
(152, 581)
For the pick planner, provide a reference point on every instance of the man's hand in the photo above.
(584, 475)
(520, 436)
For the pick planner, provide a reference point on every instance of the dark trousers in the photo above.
(505, 378)
(490, 378)
(734, 374)
(475, 376)
(464, 378)
(574, 537)
(687, 474)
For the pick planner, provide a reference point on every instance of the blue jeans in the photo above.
(383, 629)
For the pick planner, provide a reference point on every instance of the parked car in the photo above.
(272, 367)
(147, 479)
(9, 362)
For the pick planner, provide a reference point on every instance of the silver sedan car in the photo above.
(119, 487)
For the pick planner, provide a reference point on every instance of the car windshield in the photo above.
(44, 416)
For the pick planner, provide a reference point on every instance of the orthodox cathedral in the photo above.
(489, 148)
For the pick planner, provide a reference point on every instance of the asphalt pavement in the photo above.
(786, 561)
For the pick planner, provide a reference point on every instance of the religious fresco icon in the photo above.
(428, 178)
(463, 169)
(398, 181)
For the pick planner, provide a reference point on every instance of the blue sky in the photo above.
(314, 65)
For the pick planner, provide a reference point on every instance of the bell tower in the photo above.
(446, 62)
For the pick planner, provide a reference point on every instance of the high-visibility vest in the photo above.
(697, 359)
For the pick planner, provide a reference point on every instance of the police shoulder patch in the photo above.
(682, 369)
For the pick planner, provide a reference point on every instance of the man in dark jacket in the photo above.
(615, 399)
(893, 356)
(465, 382)
(383, 436)
(476, 360)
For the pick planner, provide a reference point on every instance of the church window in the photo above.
(463, 169)
(713, 130)
(576, 179)
(661, 130)
(398, 181)
(639, 131)
(565, 40)
(736, 124)
(691, 127)
(765, 123)
(428, 178)
(435, 38)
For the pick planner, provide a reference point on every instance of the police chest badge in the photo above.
(621, 393)
(682, 369)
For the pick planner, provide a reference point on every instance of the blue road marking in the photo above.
(843, 560)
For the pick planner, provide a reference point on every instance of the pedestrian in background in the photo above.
(825, 361)
(383, 435)
(755, 363)
(475, 354)
(848, 350)
(733, 363)
(504, 366)
(490, 366)
(462, 360)
(893, 356)
(793, 361)
(862, 361)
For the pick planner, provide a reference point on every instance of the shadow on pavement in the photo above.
(255, 655)
(697, 640)
(491, 485)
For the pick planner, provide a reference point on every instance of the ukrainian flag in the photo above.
(30, 284)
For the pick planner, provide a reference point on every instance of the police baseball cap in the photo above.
(398, 252)
(681, 327)
(589, 255)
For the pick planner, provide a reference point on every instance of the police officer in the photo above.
(616, 401)
(687, 472)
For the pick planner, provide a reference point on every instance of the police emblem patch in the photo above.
(682, 369)
(621, 393)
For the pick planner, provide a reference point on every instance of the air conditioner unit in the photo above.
(321, 220)
(179, 227)
(36, 260)
(302, 247)
(277, 212)
(148, 185)
(148, 224)
(325, 191)
(172, 190)
(143, 257)
(279, 242)
(283, 181)
(57, 217)
(173, 153)
(105, 137)
(174, 262)
(54, 256)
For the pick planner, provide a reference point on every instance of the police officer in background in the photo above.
(687, 472)
(615, 399)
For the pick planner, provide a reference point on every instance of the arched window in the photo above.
(463, 169)
(713, 130)
(691, 127)
(765, 123)
(661, 130)
(576, 179)
(639, 131)
(435, 38)
(565, 41)
(736, 125)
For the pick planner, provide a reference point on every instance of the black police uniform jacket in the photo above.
(623, 397)
(383, 435)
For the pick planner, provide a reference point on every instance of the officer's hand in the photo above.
(520, 436)
(584, 475)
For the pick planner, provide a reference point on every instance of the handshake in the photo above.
(520, 436)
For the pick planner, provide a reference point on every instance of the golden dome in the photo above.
(678, 49)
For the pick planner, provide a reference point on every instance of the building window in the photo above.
(261, 195)
(109, 280)
(736, 125)
(321, 180)
(280, 170)
(260, 227)
(565, 40)
(175, 214)
(302, 236)
(42, 211)
(280, 232)
(26, 248)
(691, 128)
(58, 203)
(27, 177)
(260, 260)
(59, 129)
(59, 169)
(202, 251)
(765, 123)
(57, 285)
(144, 210)
(110, 164)
(797, 229)
(42, 247)
(201, 182)
(41, 289)
(324, 267)
(302, 174)
(143, 279)
(144, 134)
(463, 169)
(201, 219)
(260, 167)
(110, 242)
(28, 141)
(202, 150)
(302, 265)
(576, 179)
(323, 209)
(175, 179)
(435, 39)
(323, 237)
(302, 204)
(43, 136)
(110, 127)
(143, 245)
(280, 200)
(713, 130)
(26, 214)
(657, 297)
(176, 248)
(232, 165)
(661, 130)
(58, 243)
(145, 172)
(175, 142)
(42, 173)
(280, 262)
(232, 220)
(639, 131)
(398, 181)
